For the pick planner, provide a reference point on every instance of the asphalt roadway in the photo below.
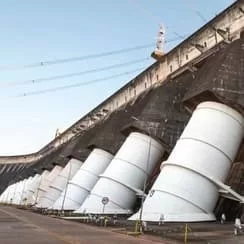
(19, 226)
(25, 227)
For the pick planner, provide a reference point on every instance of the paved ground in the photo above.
(25, 227)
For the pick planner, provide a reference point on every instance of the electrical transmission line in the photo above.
(79, 84)
(80, 58)
(70, 75)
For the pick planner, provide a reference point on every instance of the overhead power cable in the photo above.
(70, 75)
(195, 10)
(79, 84)
(200, 15)
(80, 58)
(179, 36)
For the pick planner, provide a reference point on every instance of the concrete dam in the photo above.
(173, 137)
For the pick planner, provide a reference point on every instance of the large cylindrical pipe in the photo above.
(4, 195)
(84, 180)
(27, 185)
(30, 192)
(18, 192)
(9, 196)
(60, 182)
(187, 187)
(14, 192)
(46, 182)
(124, 177)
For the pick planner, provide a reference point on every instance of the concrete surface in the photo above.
(25, 227)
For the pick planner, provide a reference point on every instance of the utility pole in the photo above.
(22, 192)
(145, 184)
(66, 188)
(145, 178)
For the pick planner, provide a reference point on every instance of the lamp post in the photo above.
(15, 189)
(36, 194)
(145, 184)
(22, 192)
(9, 188)
(145, 178)
(5, 201)
(37, 190)
(66, 188)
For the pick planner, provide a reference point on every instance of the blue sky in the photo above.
(34, 31)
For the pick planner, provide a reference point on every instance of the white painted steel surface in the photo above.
(84, 180)
(18, 192)
(9, 196)
(4, 195)
(26, 187)
(13, 192)
(59, 183)
(46, 182)
(187, 187)
(30, 192)
(124, 176)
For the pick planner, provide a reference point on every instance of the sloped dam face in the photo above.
(118, 159)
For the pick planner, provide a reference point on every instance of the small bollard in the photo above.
(105, 221)
(186, 230)
(137, 226)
